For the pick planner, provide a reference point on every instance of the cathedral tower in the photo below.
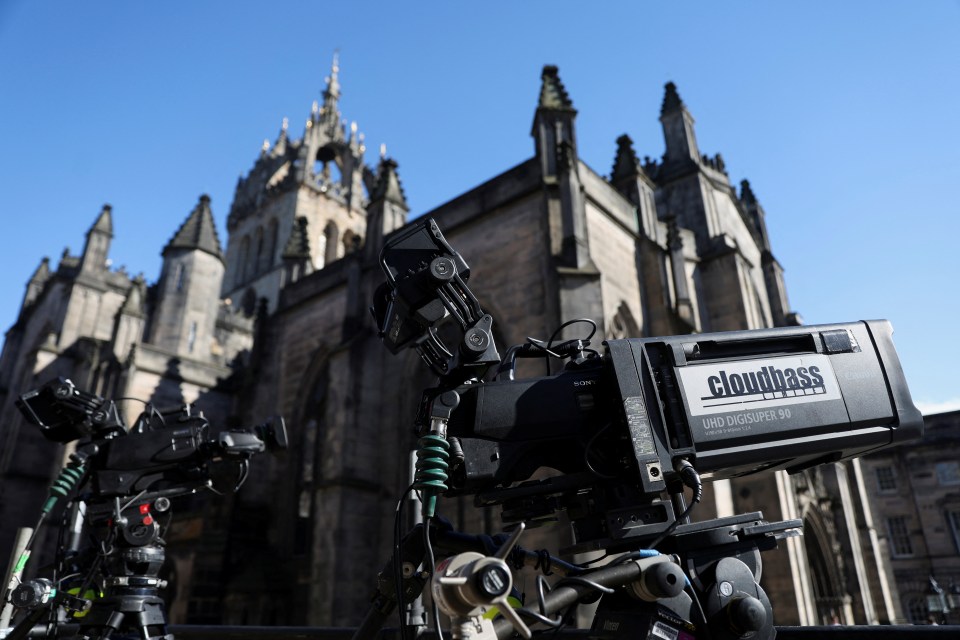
(186, 307)
(319, 178)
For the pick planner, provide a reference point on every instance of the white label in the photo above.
(661, 630)
(765, 383)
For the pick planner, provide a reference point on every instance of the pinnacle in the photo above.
(298, 246)
(671, 99)
(553, 95)
(626, 162)
(198, 231)
(104, 222)
(388, 185)
(746, 193)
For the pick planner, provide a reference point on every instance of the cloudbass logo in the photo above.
(758, 384)
(766, 380)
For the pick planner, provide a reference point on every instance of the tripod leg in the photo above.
(106, 630)
(152, 622)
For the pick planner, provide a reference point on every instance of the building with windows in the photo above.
(915, 490)
(279, 323)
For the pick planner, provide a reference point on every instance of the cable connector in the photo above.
(689, 477)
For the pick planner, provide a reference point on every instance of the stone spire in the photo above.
(555, 144)
(280, 146)
(746, 193)
(755, 215)
(37, 281)
(629, 178)
(678, 130)
(296, 254)
(184, 316)
(626, 164)
(553, 125)
(98, 241)
(329, 114)
(387, 209)
(136, 297)
(553, 95)
(388, 185)
(671, 99)
(197, 232)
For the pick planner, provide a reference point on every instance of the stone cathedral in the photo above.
(277, 322)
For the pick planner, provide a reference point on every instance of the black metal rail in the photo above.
(860, 632)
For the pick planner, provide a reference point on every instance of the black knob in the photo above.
(476, 341)
(31, 594)
(442, 269)
(664, 580)
(493, 581)
(746, 614)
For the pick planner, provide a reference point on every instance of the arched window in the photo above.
(825, 570)
(270, 251)
(242, 263)
(310, 474)
(258, 259)
(327, 168)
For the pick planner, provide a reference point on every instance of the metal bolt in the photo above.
(726, 589)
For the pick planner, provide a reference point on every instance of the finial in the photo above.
(553, 95)
(333, 83)
(284, 124)
(265, 147)
(353, 127)
(383, 150)
(671, 99)
(315, 109)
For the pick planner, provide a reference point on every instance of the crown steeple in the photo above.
(328, 116)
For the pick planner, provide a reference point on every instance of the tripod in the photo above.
(126, 571)
(132, 556)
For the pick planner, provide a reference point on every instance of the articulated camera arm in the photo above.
(427, 286)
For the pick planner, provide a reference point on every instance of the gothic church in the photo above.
(278, 322)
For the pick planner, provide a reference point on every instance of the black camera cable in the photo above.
(397, 560)
(690, 478)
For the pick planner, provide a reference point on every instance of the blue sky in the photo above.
(843, 116)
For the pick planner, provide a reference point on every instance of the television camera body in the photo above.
(121, 482)
(630, 427)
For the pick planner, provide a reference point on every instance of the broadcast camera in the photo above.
(121, 482)
(630, 427)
